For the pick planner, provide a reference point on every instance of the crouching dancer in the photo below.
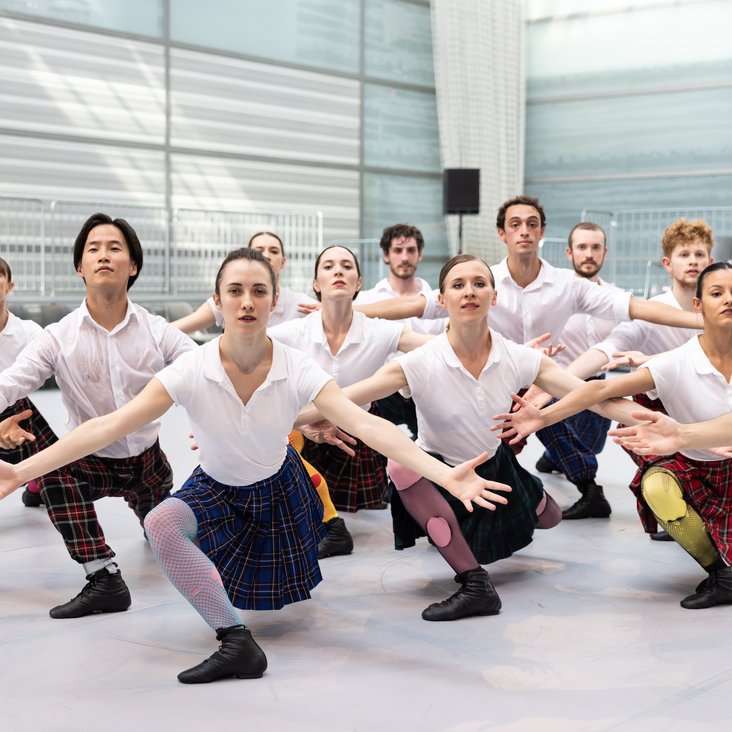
(243, 531)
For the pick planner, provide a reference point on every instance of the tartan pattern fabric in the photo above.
(354, 482)
(262, 538)
(573, 443)
(704, 485)
(491, 535)
(69, 494)
(35, 424)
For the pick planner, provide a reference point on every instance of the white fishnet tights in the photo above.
(172, 528)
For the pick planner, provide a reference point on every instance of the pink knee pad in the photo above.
(402, 477)
(439, 531)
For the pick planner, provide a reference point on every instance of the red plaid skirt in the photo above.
(705, 486)
(354, 482)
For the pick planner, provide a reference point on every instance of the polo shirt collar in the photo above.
(547, 274)
(213, 369)
(702, 364)
(355, 332)
(443, 345)
(131, 313)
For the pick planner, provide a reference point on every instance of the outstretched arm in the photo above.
(198, 320)
(659, 434)
(576, 395)
(662, 314)
(395, 308)
(148, 405)
(389, 440)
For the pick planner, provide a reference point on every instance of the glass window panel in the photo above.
(144, 17)
(392, 199)
(400, 129)
(319, 33)
(679, 131)
(399, 41)
(669, 36)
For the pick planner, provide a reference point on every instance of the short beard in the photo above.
(401, 276)
(586, 275)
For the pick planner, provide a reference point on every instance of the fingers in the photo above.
(25, 414)
(478, 460)
(623, 432)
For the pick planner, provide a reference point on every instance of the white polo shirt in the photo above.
(97, 371)
(383, 290)
(286, 308)
(691, 389)
(546, 304)
(582, 332)
(14, 337)
(649, 338)
(369, 344)
(454, 409)
(241, 444)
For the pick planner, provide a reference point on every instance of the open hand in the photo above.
(520, 424)
(469, 487)
(656, 434)
(12, 434)
(308, 307)
(625, 358)
(326, 432)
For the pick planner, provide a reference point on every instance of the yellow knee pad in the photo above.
(662, 492)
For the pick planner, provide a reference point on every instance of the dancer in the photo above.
(242, 532)
(18, 442)
(101, 355)
(350, 347)
(457, 381)
(689, 491)
(290, 304)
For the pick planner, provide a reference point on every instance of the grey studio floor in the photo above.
(591, 635)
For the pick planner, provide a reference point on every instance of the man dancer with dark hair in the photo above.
(102, 354)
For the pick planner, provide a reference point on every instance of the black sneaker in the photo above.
(103, 593)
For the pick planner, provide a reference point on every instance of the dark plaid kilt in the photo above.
(262, 538)
(69, 494)
(35, 424)
(492, 535)
(705, 486)
(354, 482)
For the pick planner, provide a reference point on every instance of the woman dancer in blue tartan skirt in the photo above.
(243, 531)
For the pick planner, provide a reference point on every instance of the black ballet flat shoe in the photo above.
(477, 596)
(661, 535)
(714, 590)
(105, 592)
(545, 465)
(238, 657)
(339, 540)
(592, 504)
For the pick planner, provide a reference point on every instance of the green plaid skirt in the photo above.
(492, 535)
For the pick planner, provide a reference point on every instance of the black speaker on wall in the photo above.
(461, 191)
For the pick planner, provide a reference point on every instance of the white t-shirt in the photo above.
(382, 290)
(649, 338)
(370, 343)
(454, 409)
(241, 444)
(14, 337)
(546, 304)
(691, 389)
(97, 371)
(582, 332)
(286, 308)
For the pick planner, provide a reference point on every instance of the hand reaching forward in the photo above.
(12, 434)
(520, 424)
(540, 342)
(325, 431)
(464, 483)
(625, 358)
(656, 434)
(8, 479)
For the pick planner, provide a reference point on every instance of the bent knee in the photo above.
(438, 529)
(662, 492)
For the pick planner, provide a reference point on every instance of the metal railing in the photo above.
(183, 248)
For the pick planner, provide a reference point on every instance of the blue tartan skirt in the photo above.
(263, 538)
